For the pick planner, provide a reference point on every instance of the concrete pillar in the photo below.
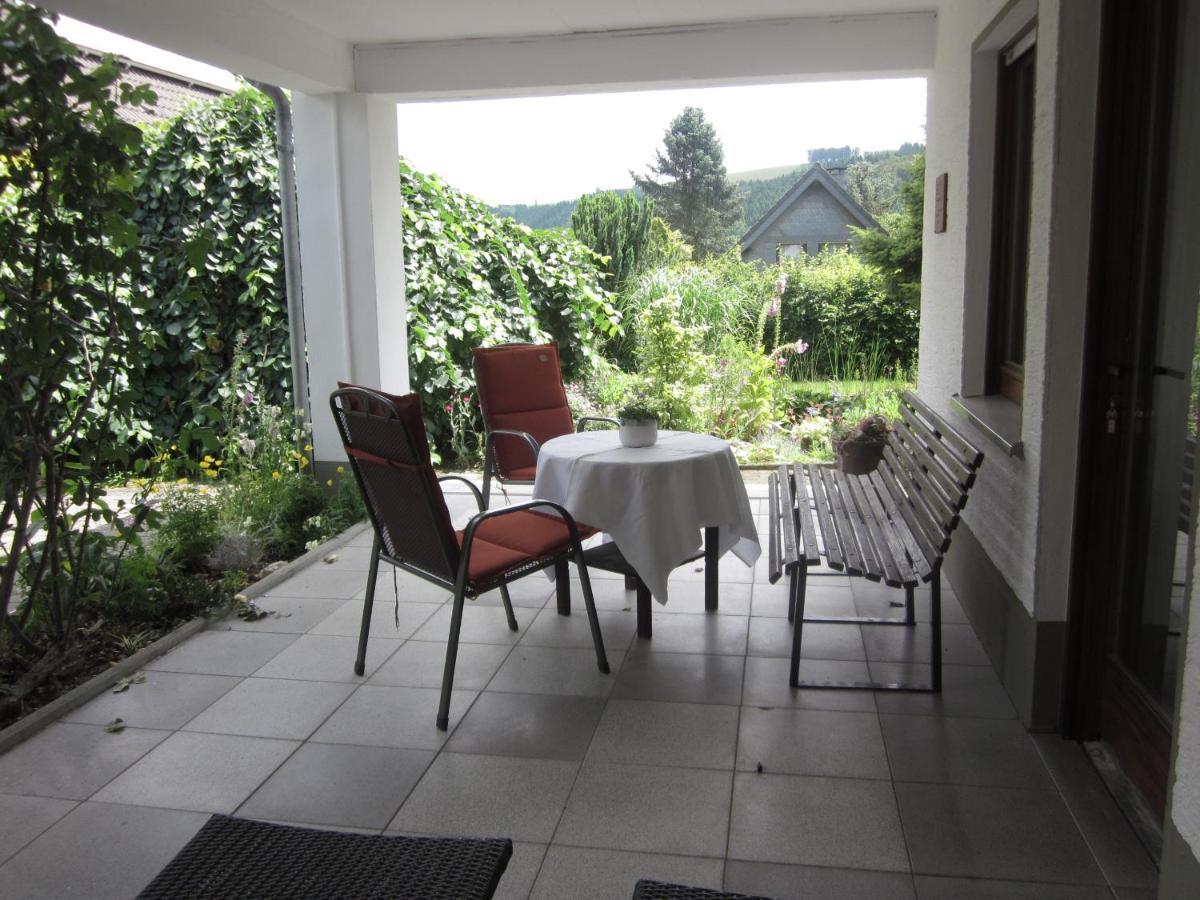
(351, 250)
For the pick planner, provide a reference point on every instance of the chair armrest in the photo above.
(583, 420)
(477, 520)
(525, 436)
(474, 490)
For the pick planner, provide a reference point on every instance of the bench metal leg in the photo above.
(562, 586)
(711, 539)
(797, 586)
(360, 661)
(935, 625)
(910, 607)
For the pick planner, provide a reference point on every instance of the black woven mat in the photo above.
(647, 889)
(237, 858)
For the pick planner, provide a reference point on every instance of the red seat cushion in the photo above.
(509, 541)
(525, 473)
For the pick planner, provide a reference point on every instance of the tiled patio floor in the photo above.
(652, 771)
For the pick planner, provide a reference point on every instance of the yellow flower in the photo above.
(208, 459)
(276, 476)
(303, 461)
(218, 462)
(181, 481)
(341, 469)
(308, 447)
(204, 463)
(173, 447)
(329, 483)
(211, 473)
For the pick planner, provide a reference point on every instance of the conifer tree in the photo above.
(616, 227)
(691, 190)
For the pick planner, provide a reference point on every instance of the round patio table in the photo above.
(654, 502)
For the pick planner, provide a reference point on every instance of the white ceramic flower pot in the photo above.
(638, 432)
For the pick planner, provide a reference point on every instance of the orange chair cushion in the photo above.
(507, 542)
(521, 389)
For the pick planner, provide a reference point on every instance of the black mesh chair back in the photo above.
(386, 444)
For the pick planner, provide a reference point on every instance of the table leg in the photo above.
(631, 582)
(562, 586)
(711, 539)
(644, 628)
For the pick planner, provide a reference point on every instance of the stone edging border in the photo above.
(98, 684)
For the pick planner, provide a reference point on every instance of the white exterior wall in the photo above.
(1021, 508)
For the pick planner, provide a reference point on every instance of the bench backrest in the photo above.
(892, 525)
(928, 468)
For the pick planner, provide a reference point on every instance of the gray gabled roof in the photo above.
(816, 174)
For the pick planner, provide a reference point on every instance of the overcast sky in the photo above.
(544, 149)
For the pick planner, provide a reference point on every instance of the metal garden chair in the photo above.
(524, 404)
(386, 443)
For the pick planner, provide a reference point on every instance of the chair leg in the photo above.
(508, 608)
(935, 626)
(797, 587)
(443, 716)
(910, 607)
(562, 586)
(487, 478)
(589, 603)
(631, 582)
(360, 662)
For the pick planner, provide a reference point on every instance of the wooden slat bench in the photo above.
(892, 526)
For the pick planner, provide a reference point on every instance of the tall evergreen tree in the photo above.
(692, 192)
(616, 227)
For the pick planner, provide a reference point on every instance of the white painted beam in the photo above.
(247, 37)
(807, 49)
(351, 250)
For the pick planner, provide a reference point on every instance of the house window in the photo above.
(1010, 219)
(834, 245)
(790, 251)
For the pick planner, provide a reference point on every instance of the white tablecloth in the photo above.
(653, 501)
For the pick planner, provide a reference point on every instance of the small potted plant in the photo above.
(639, 424)
(859, 452)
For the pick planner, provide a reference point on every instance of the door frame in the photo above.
(1129, 203)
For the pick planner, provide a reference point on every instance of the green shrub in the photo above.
(473, 279)
(742, 396)
(838, 305)
(189, 528)
(618, 229)
(212, 261)
(671, 366)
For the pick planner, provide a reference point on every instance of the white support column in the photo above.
(351, 249)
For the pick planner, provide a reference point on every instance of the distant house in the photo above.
(812, 216)
(174, 93)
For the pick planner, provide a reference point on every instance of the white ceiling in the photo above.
(403, 21)
(463, 48)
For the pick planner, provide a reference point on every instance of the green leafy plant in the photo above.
(473, 279)
(638, 411)
(70, 348)
(208, 225)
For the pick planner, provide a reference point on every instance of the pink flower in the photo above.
(780, 363)
(773, 310)
(449, 407)
(801, 346)
(781, 284)
(248, 399)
